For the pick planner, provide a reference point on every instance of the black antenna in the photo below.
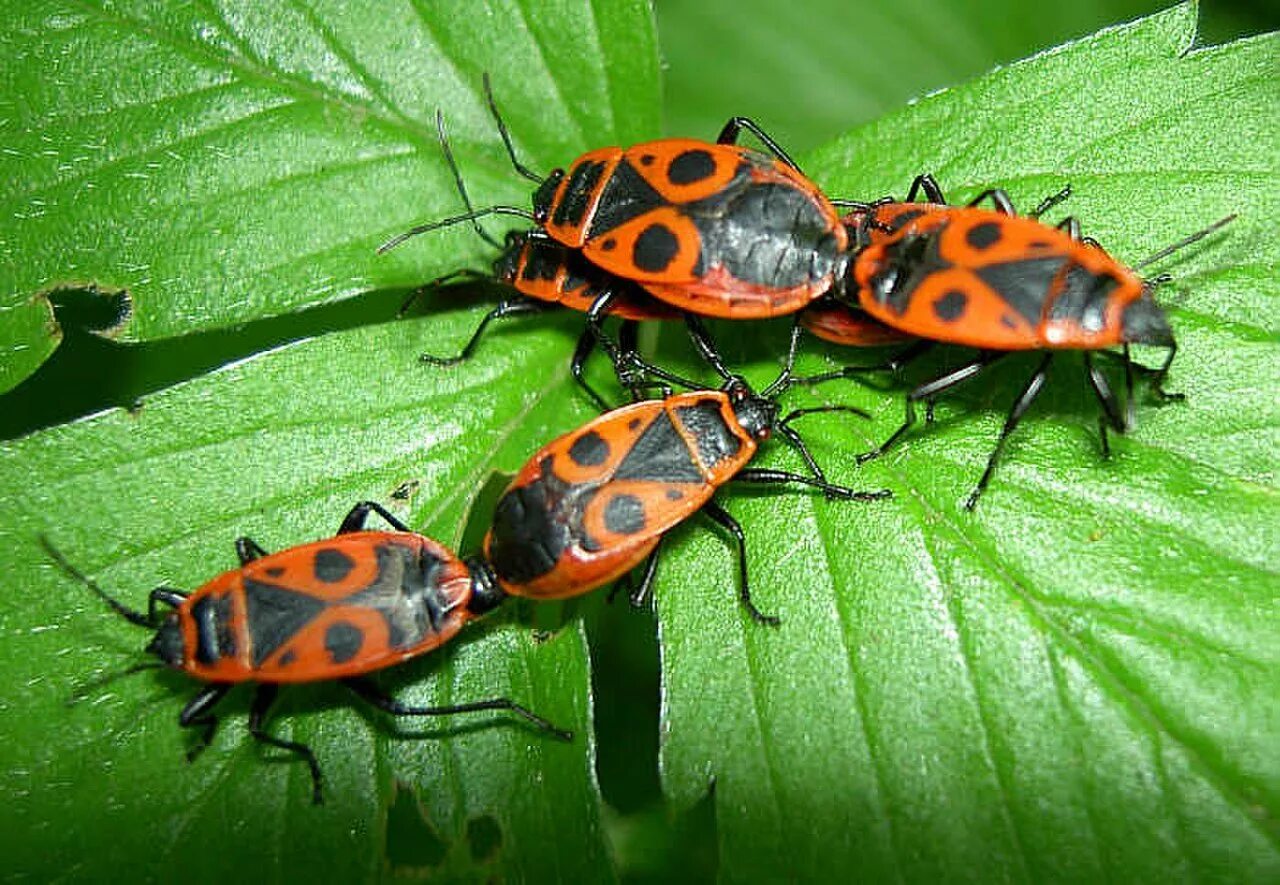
(457, 178)
(506, 136)
(82, 691)
(120, 608)
(456, 219)
(1187, 241)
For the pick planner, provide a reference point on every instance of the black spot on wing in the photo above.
(331, 566)
(655, 248)
(624, 515)
(274, 572)
(704, 421)
(343, 640)
(274, 615)
(951, 306)
(984, 235)
(287, 658)
(659, 454)
(589, 450)
(691, 166)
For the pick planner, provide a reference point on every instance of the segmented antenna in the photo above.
(120, 608)
(1187, 241)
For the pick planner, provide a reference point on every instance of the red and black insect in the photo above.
(548, 274)
(1004, 283)
(715, 229)
(337, 609)
(590, 506)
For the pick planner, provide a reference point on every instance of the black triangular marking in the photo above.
(659, 454)
(275, 615)
(626, 195)
(1024, 285)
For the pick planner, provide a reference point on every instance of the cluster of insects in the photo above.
(674, 230)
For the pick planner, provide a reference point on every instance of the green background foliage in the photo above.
(1077, 680)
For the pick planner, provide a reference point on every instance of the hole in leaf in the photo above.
(485, 837)
(411, 840)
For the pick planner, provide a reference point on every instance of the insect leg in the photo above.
(371, 694)
(263, 698)
(248, 549)
(505, 308)
(359, 515)
(729, 135)
(196, 715)
(928, 184)
(1029, 393)
(722, 516)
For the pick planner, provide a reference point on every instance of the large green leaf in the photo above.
(810, 76)
(223, 163)
(1078, 679)
(1073, 680)
(278, 448)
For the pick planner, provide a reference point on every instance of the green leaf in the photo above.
(808, 77)
(278, 448)
(223, 165)
(1076, 681)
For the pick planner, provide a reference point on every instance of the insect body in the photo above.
(1003, 283)
(336, 609)
(713, 228)
(592, 505)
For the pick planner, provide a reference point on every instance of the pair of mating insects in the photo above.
(656, 231)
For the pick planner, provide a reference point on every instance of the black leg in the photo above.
(506, 308)
(729, 135)
(162, 596)
(1070, 226)
(1020, 406)
(1130, 407)
(629, 375)
(1049, 202)
(928, 184)
(998, 198)
(1107, 400)
(767, 476)
(796, 442)
(1157, 383)
(248, 549)
(374, 696)
(359, 515)
(591, 336)
(263, 698)
(196, 715)
(587, 342)
(641, 594)
(894, 365)
(927, 392)
(722, 516)
(465, 273)
(705, 346)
